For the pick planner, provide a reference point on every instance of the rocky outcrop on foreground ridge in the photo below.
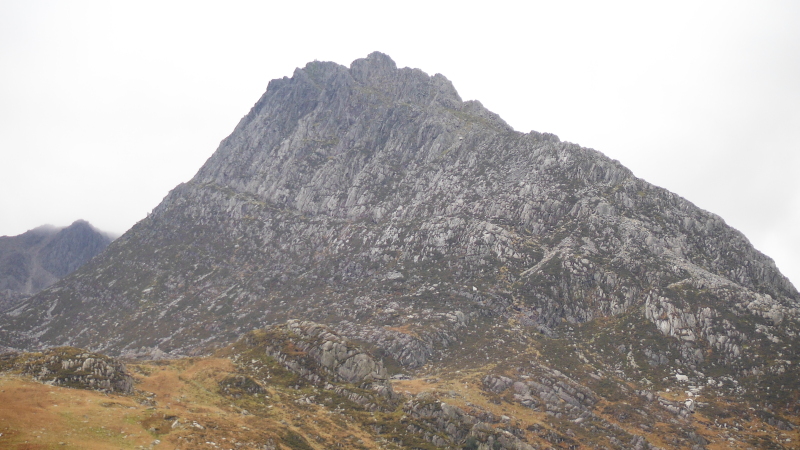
(38, 258)
(322, 358)
(71, 367)
(301, 345)
(373, 199)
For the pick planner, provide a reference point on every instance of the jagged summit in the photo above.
(330, 110)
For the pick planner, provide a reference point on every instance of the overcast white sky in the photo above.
(106, 106)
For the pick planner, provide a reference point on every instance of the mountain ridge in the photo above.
(36, 259)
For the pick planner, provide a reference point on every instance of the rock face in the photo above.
(71, 367)
(38, 258)
(322, 358)
(301, 346)
(373, 199)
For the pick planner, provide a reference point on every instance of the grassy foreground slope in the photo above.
(251, 395)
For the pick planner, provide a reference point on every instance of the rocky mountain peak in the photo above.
(331, 111)
(375, 68)
(372, 200)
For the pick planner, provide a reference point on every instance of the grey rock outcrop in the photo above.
(339, 358)
(71, 367)
(325, 359)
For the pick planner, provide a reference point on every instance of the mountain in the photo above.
(375, 201)
(38, 258)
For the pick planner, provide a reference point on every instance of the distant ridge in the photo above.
(36, 259)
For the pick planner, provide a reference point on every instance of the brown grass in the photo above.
(405, 329)
(35, 415)
(180, 404)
